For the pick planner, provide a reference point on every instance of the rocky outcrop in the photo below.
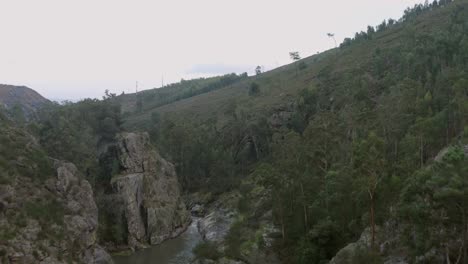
(215, 226)
(148, 185)
(222, 217)
(53, 222)
(350, 251)
(281, 115)
(81, 223)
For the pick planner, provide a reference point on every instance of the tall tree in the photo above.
(258, 70)
(295, 57)
(370, 164)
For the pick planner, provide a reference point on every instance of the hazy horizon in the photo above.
(74, 50)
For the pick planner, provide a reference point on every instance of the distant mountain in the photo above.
(21, 98)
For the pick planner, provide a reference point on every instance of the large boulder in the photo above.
(148, 185)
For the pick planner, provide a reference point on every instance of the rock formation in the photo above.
(148, 185)
(53, 222)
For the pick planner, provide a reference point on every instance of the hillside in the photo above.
(47, 208)
(328, 145)
(148, 100)
(21, 100)
(281, 86)
(354, 155)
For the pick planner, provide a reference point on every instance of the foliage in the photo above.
(363, 125)
(206, 250)
(46, 212)
(151, 99)
(436, 197)
(74, 132)
(254, 89)
(361, 130)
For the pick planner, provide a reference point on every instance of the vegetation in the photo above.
(74, 132)
(332, 144)
(207, 250)
(357, 128)
(254, 89)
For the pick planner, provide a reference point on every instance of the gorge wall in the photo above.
(148, 189)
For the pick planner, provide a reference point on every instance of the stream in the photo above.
(173, 251)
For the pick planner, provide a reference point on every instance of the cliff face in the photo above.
(50, 222)
(148, 186)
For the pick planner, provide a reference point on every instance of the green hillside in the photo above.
(393, 48)
(139, 105)
(333, 136)
(369, 137)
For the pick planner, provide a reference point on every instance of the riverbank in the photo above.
(177, 250)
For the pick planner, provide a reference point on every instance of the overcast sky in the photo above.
(72, 49)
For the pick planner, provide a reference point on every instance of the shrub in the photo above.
(234, 240)
(48, 212)
(366, 256)
(254, 89)
(206, 250)
(302, 65)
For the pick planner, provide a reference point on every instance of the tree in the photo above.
(436, 197)
(370, 31)
(254, 89)
(369, 164)
(278, 186)
(294, 55)
(382, 26)
(18, 114)
(258, 70)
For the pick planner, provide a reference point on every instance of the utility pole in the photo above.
(136, 88)
(162, 80)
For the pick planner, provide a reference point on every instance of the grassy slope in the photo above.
(281, 86)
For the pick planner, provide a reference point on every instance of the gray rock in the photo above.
(215, 226)
(82, 224)
(73, 238)
(197, 210)
(346, 254)
(149, 187)
(65, 176)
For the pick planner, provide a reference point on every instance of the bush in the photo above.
(302, 65)
(206, 250)
(254, 89)
(5, 178)
(234, 240)
(46, 212)
(366, 256)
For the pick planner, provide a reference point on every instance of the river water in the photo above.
(173, 251)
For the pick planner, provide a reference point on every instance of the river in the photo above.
(173, 251)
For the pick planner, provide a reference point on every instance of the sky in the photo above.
(75, 49)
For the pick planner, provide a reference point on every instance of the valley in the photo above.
(358, 154)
